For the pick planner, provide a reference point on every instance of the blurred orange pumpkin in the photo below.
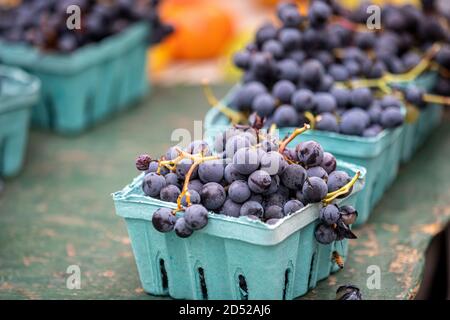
(203, 29)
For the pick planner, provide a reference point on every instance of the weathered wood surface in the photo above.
(58, 211)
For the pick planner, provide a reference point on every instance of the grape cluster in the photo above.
(335, 223)
(294, 73)
(248, 172)
(42, 23)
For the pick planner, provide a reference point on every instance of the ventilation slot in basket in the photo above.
(287, 282)
(89, 110)
(51, 113)
(2, 154)
(164, 279)
(203, 288)
(243, 289)
(311, 267)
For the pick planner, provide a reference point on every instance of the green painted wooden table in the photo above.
(58, 212)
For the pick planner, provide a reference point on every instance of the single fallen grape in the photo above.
(196, 216)
(182, 229)
(213, 195)
(169, 193)
(314, 189)
(163, 220)
(239, 191)
(259, 181)
(252, 208)
(348, 292)
(325, 234)
(292, 206)
(152, 184)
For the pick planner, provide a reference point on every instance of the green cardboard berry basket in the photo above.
(19, 92)
(380, 155)
(415, 134)
(83, 88)
(280, 261)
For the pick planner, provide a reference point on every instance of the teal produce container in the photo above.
(19, 92)
(231, 258)
(85, 87)
(379, 155)
(415, 134)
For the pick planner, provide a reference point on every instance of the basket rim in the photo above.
(31, 58)
(30, 89)
(223, 226)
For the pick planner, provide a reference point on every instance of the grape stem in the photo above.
(345, 189)
(234, 116)
(433, 98)
(294, 134)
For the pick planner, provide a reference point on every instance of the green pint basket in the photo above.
(19, 92)
(83, 88)
(380, 155)
(415, 134)
(231, 258)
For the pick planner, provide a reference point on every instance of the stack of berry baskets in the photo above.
(346, 88)
(88, 72)
(201, 221)
(19, 92)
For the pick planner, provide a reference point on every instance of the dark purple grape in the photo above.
(213, 196)
(318, 172)
(290, 17)
(325, 234)
(392, 117)
(273, 212)
(287, 69)
(274, 48)
(169, 193)
(199, 147)
(327, 122)
(273, 163)
(246, 160)
(342, 96)
(329, 214)
(348, 292)
(142, 162)
(361, 98)
(239, 191)
(196, 185)
(231, 208)
(337, 179)
(265, 33)
(310, 153)
(292, 206)
(283, 90)
(312, 72)
(372, 131)
(286, 116)
(272, 221)
(172, 179)
(290, 38)
(247, 93)
(182, 229)
(264, 104)
(414, 95)
(183, 168)
(231, 174)
(241, 59)
(252, 208)
(152, 184)
(163, 220)
(259, 181)
(354, 121)
(324, 102)
(303, 100)
(314, 189)
(318, 14)
(194, 197)
(294, 176)
(374, 112)
(338, 72)
(196, 216)
(328, 162)
(211, 171)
